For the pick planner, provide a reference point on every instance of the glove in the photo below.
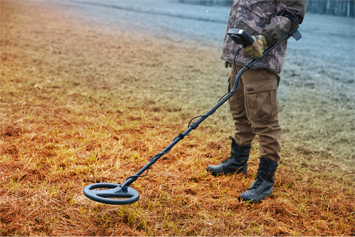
(255, 50)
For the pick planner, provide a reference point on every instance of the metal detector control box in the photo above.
(241, 37)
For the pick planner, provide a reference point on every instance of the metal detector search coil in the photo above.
(111, 191)
(118, 194)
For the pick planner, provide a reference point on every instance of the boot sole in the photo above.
(252, 201)
(243, 169)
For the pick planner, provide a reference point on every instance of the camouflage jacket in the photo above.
(262, 17)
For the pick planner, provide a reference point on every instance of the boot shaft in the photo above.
(267, 169)
(239, 153)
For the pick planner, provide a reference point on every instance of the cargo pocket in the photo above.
(261, 100)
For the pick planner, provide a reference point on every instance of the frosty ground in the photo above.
(317, 89)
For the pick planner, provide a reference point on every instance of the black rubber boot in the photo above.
(237, 162)
(261, 188)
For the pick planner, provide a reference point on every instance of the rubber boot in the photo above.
(237, 162)
(261, 188)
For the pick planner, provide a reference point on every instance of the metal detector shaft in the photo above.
(118, 194)
(194, 125)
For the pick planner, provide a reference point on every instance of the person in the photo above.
(254, 106)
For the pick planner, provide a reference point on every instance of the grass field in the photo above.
(81, 105)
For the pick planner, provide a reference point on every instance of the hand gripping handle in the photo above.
(110, 192)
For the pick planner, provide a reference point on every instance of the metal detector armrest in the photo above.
(296, 34)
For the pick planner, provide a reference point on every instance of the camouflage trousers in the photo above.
(254, 108)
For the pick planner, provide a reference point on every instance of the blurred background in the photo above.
(329, 7)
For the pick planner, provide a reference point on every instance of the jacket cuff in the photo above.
(268, 38)
(277, 29)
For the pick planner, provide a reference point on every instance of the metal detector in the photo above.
(122, 194)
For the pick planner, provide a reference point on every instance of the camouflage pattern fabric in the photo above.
(261, 17)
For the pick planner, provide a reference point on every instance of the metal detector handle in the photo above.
(110, 192)
(242, 37)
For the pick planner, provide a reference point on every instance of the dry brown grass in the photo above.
(80, 105)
